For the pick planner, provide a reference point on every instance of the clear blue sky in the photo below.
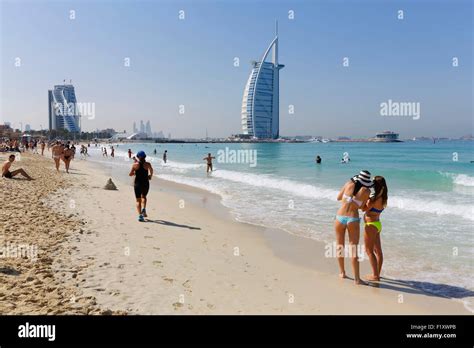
(190, 62)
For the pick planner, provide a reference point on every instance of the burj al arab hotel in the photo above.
(260, 104)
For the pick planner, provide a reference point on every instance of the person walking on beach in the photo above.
(67, 157)
(143, 172)
(104, 153)
(165, 155)
(57, 152)
(373, 227)
(10, 174)
(353, 195)
(209, 159)
(43, 145)
(112, 152)
(129, 153)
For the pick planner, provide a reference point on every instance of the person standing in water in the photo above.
(129, 153)
(143, 172)
(318, 159)
(112, 152)
(373, 227)
(353, 195)
(209, 159)
(165, 156)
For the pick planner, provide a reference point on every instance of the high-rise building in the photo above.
(142, 127)
(27, 128)
(260, 104)
(135, 130)
(62, 107)
(148, 129)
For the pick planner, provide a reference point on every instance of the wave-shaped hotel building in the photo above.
(260, 104)
(63, 111)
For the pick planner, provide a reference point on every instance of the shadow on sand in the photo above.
(172, 224)
(423, 288)
(9, 271)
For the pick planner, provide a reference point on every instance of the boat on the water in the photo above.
(387, 137)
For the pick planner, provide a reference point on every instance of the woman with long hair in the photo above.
(352, 195)
(373, 226)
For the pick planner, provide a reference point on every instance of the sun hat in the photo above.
(364, 178)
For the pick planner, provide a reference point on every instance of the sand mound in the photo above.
(110, 185)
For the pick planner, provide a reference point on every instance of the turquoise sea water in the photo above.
(428, 231)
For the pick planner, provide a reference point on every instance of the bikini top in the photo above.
(375, 210)
(351, 199)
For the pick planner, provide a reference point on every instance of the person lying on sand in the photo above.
(10, 174)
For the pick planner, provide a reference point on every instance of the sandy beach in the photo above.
(36, 275)
(190, 257)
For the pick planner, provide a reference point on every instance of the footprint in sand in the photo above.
(166, 279)
(177, 305)
(157, 263)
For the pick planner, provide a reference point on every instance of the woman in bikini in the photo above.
(352, 195)
(373, 208)
(67, 157)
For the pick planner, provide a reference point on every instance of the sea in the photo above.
(428, 225)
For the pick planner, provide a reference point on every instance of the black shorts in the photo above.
(141, 189)
(8, 175)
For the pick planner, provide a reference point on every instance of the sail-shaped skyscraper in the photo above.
(63, 110)
(260, 104)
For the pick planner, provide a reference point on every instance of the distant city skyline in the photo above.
(187, 69)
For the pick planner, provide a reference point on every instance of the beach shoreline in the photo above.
(192, 257)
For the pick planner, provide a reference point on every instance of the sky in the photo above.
(190, 62)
